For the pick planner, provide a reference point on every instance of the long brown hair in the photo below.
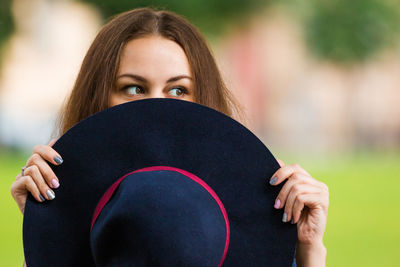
(97, 76)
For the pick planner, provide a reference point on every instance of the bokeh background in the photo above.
(319, 82)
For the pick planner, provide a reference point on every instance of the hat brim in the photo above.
(160, 132)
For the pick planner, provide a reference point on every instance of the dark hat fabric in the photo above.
(167, 206)
(160, 182)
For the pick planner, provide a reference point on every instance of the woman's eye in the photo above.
(176, 91)
(134, 90)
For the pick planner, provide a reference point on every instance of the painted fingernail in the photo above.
(277, 204)
(58, 159)
(50, 194)
(284, 217)
(273, 180)
(41, 197)
(292, 221)
(55, 183)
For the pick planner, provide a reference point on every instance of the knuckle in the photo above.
(296, 176)
(26, 180)
(301, 199)
(31, 170)
(36, 148)
(296, 189)
(35, 157)
(32, 159)
(28, 171)
(35, 168)
(295, 166)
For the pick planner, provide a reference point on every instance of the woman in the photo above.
(145, 53)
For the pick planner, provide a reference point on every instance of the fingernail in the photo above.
(41, 197)
(55, 183)
(273, 180)
(284, 218)
(292, 221)
(277, 204)
(58, 159)
(50, 194)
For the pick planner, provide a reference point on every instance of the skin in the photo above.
(152, 67)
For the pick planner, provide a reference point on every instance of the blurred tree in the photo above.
(211, 16)
(6, 21)
(339, 30)
(348, 31)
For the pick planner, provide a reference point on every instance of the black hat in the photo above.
(160, 182)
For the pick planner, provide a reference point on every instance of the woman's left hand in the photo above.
(305, 202)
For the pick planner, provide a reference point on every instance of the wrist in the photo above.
(311, 254)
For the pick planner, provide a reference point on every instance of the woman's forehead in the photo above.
(153, 55)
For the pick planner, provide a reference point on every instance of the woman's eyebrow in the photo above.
(142, 79)
(134, 76)
(176, 78)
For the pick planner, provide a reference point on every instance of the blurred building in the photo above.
(299, 104)
(41, 61)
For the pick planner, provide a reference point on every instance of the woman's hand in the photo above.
(305, 202)
(37, 177)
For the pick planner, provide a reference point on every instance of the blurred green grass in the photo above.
(11, 251)
(362, 227)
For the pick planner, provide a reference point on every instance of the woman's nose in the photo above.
(157, 93)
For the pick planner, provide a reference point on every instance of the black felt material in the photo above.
(160, 132)
(159, 218)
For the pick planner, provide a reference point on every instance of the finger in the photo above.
(285, 172)
(295, 191)
(295, 178)
(45, 170)
(298, 207)
(33, 171)
(281, 163)
(312, 201)
(52, 142)
(19, 175)
(28, 185)
(48, 154)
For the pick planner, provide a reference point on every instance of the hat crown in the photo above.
(160, 216)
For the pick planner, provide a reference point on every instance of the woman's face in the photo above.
(152, 67)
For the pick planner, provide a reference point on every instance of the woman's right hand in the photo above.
(37, 178)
